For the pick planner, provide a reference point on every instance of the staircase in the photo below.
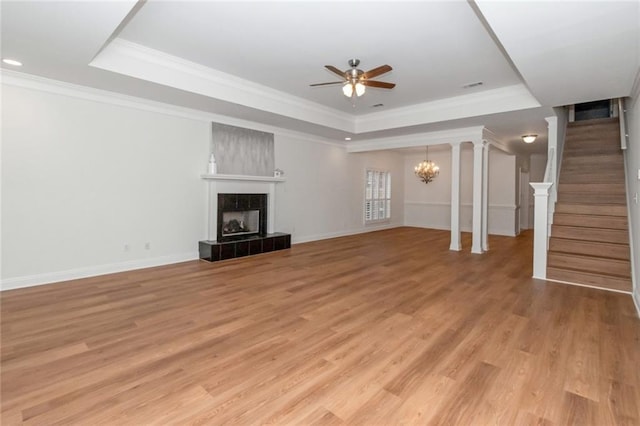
(589, 238)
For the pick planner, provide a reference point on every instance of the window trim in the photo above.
(387, 197)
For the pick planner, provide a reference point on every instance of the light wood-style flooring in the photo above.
(383, 328)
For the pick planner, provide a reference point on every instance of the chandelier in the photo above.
(427, 170)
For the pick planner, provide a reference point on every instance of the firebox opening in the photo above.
(240, 222)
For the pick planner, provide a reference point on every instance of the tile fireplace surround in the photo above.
(213, 250)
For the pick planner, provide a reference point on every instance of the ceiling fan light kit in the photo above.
(349, 88)
(355, 80)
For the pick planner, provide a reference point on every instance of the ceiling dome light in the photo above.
(529, 138)
(12, 62)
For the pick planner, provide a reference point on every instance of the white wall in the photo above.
(324, 193)
(82, 178)
(429, 205)
(633, 184)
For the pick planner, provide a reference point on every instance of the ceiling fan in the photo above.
(355, 80)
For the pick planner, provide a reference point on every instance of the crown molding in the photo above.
(463, 134)
(148, 64)
(493, 140)
(33, 82)
(504, 99)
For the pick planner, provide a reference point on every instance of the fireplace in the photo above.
(241, 224)
(241, 216)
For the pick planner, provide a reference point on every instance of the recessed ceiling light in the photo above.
(347, 139)
(470, 85)
(12, 62)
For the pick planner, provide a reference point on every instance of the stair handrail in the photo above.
(546, 194)
(623, 124)
(549, 175)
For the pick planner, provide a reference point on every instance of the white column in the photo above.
(456, 241)
(541, 199)
(485, 197)
(476, 240)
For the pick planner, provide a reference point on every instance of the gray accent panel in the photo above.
(241, 151)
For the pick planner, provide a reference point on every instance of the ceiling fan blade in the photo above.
(380, 84)
(377, 71)
(326, 84)
(335, 70)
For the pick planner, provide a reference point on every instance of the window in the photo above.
(377, 198)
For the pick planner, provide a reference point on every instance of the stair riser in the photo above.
(596, 122)
(588, 198)
(589, 248)
(614, 210)
(586, 279)
(591, 221)
(590, 164)
(591, 150)
(595, 265)
(593, 234)
(593, 163)
(585, 178)
(609, 188)
(591, 132)
(595, 137)
(591, 179)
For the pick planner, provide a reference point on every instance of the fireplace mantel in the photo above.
(243, 178)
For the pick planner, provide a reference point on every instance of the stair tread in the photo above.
(587, 220)
(598, 273)
(598, 121)
(588, 278)
(612, 210)
(620, 236)
(599, 216)
(589, 257)
(595, 248)
(581, 228)
(593, 242)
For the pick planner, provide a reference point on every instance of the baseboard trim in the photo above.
(372, 228)
(498, 232)
(93, 271)
(589, 286)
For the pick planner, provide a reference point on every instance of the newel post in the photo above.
(540, 229)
